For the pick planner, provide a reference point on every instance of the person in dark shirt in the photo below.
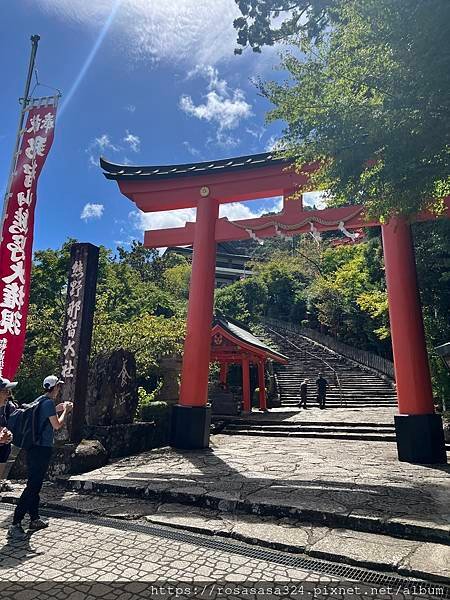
(38, 457)
(322, 385)
(303, 393)
(6, 408)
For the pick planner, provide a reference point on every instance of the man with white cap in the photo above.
(38, 456)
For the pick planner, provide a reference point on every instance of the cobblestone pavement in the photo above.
(358, 481)
(71, 551)
(412, 558)
(76, 560)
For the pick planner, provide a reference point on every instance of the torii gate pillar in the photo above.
(192, 416)
(420, 437)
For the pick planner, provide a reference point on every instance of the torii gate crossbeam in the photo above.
(205, 186)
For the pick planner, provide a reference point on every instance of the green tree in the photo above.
(433, 270)
(135, 309)
(265, 22)
(369, 102)
(245, 300)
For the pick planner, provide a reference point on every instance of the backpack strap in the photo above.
(36, 434)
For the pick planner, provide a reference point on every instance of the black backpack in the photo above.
(23, 424)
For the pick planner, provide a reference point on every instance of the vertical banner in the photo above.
(16, 248)
(77, 331)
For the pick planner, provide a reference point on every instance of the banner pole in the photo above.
(24, 101)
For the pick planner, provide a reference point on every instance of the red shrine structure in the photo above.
(231, 344)
(207, 185)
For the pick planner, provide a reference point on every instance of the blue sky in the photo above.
(143, 82)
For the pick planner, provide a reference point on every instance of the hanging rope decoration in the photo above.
(280, 234)
(253, 235)
(347, 233)
(280, 228)
(315, 233)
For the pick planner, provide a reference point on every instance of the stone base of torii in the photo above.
(205, 186)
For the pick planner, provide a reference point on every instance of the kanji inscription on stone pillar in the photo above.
(77, 331)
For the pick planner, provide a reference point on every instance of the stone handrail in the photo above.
(362, 357)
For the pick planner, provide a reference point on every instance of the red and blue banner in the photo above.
(16, 248)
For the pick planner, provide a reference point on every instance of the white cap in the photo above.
(6, 384)
(50, 382)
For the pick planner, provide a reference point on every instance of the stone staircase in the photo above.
(331, 430)
(350, 385)
(360, 402)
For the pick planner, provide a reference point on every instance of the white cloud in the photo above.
(224, 140)
(225, 112)
(175, 30)
(92, 211)
(133, 141)
(130, 108)
(191, 149)
(100, 145)
(104, 143)
(317, 199)
(223, 107)
(273, 144)
(212, 74)
(256, 132)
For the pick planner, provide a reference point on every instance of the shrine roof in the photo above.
(158, 172)
(238, 332)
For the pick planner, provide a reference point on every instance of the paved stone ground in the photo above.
(78, 560)
(384, 415)
(361, 484)
(407, 557)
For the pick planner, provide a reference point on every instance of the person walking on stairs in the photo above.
(303, 393)
(322, 385)
(38, 455)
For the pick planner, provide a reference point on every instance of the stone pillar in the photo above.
(77, 334)
(170, 369)
(112, 394)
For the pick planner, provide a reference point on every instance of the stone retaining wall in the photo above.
(126, 439)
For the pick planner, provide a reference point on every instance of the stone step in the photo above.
(301, 427)
(261, 419)
(321, 511)
(336, 399)
(343, 405)
(370, 437)
(295, 391)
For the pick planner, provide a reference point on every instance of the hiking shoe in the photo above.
(16, 532)
(37, 524)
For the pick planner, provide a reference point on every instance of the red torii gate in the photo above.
(205, 186)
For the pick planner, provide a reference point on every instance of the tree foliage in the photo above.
(140, 307)
(369, 101)
(265, 22)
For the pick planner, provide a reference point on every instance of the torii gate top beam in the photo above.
(169, 187)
